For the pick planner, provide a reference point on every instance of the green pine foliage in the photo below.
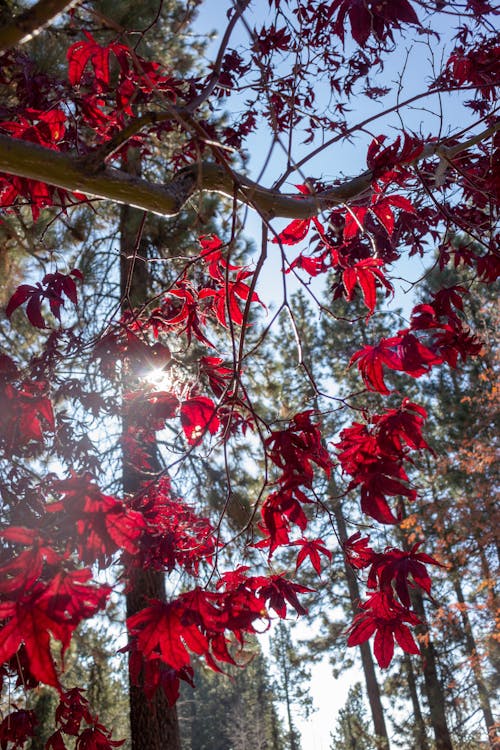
(353, 730)
(235, 711)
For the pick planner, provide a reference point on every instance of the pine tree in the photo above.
(235, 711)
(352, 731)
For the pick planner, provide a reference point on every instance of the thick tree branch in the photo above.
(31, 161)
(26, 25)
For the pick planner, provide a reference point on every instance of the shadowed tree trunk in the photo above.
(420, 733)
(154, 724)
(433, 688)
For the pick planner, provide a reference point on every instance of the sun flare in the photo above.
(160, 378)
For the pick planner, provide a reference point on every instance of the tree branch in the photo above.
(29, 160)
(29, 23)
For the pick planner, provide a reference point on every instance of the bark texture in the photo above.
(153, 723)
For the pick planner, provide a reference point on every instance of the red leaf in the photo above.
(17, 728)
(84, 52)
(312, 549)
(198, 416)
(370, 362)
(19, 297)
(96, 738)
(383, 645)
(382, 615)
(366, 273)
(160, 632)
(357, 551)
(294, 232)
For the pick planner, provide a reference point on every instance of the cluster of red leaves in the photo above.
(293, 450)
(477, 67)
(26, 410)
(218, 302)
(17, 728)
(186, 312)
(52, 287)
(369, 17)
(164, 634)
(113, 92)
(173, 535)
(34, 608)
(374, 454)
(72, 710)
(46, 589)
(46, 128)
(392, 574)
(45, 565)
(443, 338)
(107, 85)
(367, 272)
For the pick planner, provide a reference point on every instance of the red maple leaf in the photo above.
(296, 448)
(384, 479)
(277, 591)
(357, 551)
(89, 52)
(20, 573)
(297, 230)
(73, 708)
(370, 361)
(189, 319)
(279, 510)
(48, 610)
(397, 428)
(52, 287)
(416, 358)
(227, 298)
(96, 737)
(367, 17)
(160, 632)
(393, 567)
(382, 209)
(17, 728)
(312, 548)
(99, 524)
(211, 253)
(366, 273)
(198, 416)
(381, 615)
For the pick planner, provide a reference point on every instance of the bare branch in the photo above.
(32, 161)
(29, 23)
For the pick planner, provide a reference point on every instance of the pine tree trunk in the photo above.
(153, 723)
(471, 651)
(420, 733)
(372, 686)
(433, 687)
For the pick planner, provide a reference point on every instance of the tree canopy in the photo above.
(139, 384)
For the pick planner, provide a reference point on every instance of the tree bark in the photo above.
(420, 733)
(372, 686)
(153, 723)
(433, 688)
(70, 172)
(29, 23)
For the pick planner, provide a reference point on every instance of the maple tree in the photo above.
(94, 132)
